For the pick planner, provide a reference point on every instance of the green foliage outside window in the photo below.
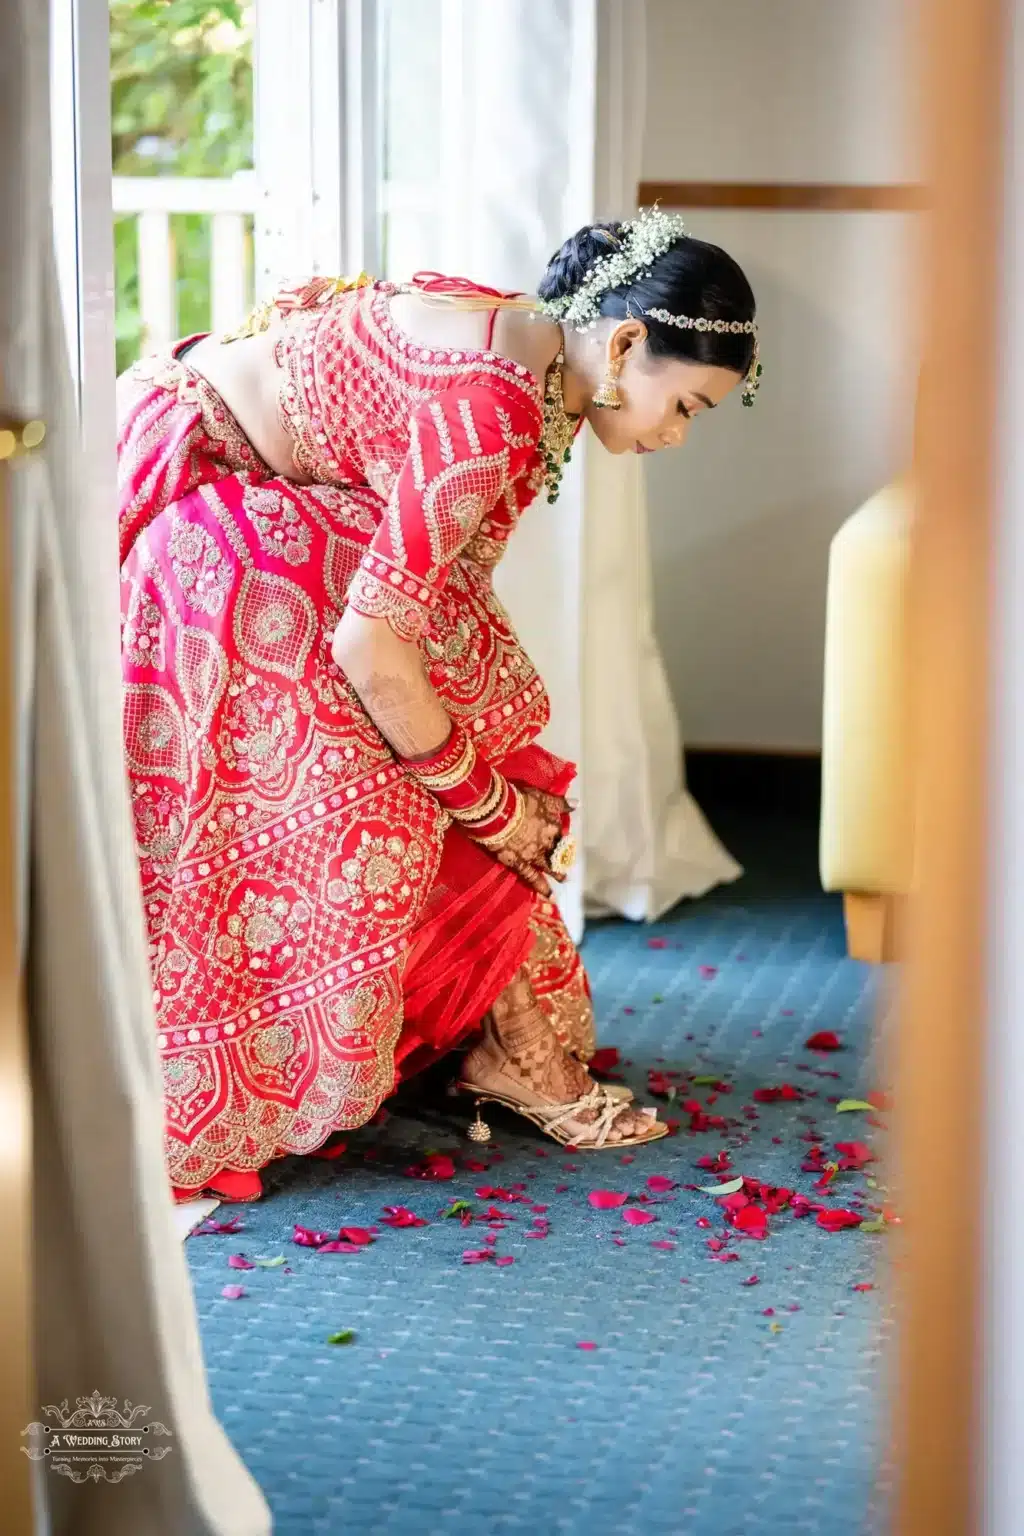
(181, 105)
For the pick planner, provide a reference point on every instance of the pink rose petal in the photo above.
(658, 1184)
(239, 1261)
(586, 1344)
(606, 1199)
(637, 1218)
(233, 1292)
(306, 1238)
(751, 1280)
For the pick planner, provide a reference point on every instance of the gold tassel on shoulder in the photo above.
(318, 290)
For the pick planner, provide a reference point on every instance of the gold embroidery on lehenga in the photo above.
(278, 523)
(379, 875)
(263, 923)
(201, 668)
(275, 624)
(203, 574)
(258, 726)
(154, 732)
(143, 634)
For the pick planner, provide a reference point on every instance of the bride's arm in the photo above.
(388, 675)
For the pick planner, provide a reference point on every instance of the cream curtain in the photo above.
(114, 1309)
(551, 133)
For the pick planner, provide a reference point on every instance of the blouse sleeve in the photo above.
(466, 448)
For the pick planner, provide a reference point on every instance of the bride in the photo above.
(347, 834)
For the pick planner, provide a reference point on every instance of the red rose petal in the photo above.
(329, 1153)
(824, 1040)
(357, 1235)
(306, 1238)
(606, 1199)
(864, 1286)
(239, 1261)
(340, 1247)
(751, 1280)
(586, 1344)
(838, 1221)
(658, 1184)
(604, 1060)
(663, 1244)
(398, 1216)
(751, 1221)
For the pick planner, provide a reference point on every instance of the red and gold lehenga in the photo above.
(318, 926)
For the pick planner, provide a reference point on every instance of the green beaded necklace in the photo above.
(559, 431)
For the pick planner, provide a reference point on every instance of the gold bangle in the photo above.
(487, 805)
(498, 840)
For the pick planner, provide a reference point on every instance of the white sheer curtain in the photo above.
(647, 843)
(114, 1308)
(550, 119)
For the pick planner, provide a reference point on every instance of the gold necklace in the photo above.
(559, 431)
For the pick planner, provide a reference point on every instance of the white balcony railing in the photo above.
(229, 203)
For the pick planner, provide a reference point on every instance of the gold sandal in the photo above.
(558, 1120)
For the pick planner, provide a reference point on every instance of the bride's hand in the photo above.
(528, 851)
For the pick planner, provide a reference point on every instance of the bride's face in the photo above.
(661, 397)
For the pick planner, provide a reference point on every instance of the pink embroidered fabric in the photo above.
(315, 924)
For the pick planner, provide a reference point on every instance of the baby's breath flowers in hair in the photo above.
(638, 247)
(635, 249)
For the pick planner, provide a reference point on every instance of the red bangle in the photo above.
(471, 791)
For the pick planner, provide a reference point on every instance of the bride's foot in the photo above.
(519, 1062)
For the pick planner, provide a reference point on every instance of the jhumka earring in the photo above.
(608, 397)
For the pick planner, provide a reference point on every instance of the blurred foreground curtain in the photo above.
(114, 1310)
(551, 131)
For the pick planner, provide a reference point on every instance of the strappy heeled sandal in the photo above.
(559, 1120)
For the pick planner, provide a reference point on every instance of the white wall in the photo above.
(791, 90)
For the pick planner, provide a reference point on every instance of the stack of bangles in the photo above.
(481, 800)
(472, 792)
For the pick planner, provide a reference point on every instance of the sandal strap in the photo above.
(598, 1099)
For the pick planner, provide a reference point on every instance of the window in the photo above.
(184, 190)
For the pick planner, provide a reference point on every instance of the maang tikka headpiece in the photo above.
(634, 251)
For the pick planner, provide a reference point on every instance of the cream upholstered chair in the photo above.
(867, 843)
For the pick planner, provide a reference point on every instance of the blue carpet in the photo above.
(463, 1404)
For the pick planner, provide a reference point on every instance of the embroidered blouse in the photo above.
(447, 439)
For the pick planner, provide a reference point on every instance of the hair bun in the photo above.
(568, 268)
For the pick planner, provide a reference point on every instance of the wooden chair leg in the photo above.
(872, 926)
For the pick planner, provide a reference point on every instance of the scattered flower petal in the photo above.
(751, 1280)
(637, 1218)
(306, 1238)
(839, 1220)
(846, 1105)
(233, 1292)
(586, 1344)
(606, 1199)
(328, 1154)
(824, 1040)
(399, 1216)
(239, 1261)
(658, 1184)
(343, 1336)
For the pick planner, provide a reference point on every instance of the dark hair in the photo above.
(691, 278)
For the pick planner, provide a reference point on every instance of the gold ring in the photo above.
(563, 856)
